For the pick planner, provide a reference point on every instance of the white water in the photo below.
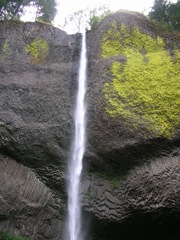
(75, 165)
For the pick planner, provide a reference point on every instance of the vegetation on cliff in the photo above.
(88, 18)
(37, 51)
(8, 236)
(4, 50)
(144, 90)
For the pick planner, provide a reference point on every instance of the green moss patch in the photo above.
(4, 50)
(37, 51)
(5, 47)
(9, 236)
(146, 89)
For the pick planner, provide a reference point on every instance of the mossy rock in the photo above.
(4, 50)
(145, 91)
(37, 51)
(9, 236)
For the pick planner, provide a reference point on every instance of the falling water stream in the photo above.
(75, 165)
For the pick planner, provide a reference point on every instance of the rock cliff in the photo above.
(38, 66)
(131, 166)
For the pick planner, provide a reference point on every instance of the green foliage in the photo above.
(3, 3)
(160, 11)
(94, 21)
(146, 89)
(10, 8)
(117, 40)
(97, 15)
(174, 13)
(88, 18)
(5, 47)
(45, 9)
(114, 179)
(4, 50)
(8, 236)
(37, 51)
(166, 14)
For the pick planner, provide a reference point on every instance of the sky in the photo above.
(67, 7)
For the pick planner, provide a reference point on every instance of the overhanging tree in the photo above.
(88, 18)
(45, 9)
(10, 8)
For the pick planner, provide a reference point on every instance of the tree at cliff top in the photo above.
(45, 9)
(88, 18)
(97, 15)
(174, 12)
(166, 14)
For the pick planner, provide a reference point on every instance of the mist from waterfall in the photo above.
(78, 148)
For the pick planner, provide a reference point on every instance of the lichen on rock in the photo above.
(144, 90)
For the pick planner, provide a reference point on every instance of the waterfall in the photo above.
(75, 165)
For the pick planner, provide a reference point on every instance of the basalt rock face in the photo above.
(38, 68)
(120, 133)
(133, 156)
(26, 203)
(131, 166)
(145, 205)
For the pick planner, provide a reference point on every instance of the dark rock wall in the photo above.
(146, 189)
(27, 206)
(132, 174)
(37, 96)
(37, 99)
(112, 144)
(126, 176)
